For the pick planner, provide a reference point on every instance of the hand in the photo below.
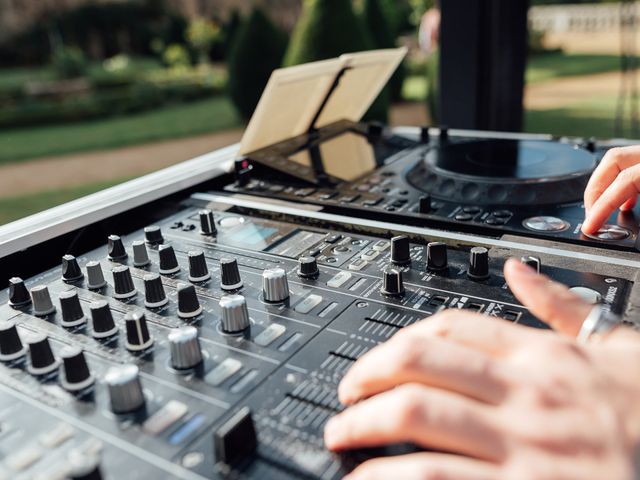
(614, 184)
(505, 401)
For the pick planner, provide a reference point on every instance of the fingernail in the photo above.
(331, 431)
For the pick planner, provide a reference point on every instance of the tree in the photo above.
(327, 29)
(257, 50)
(379, 18)
(201, 35)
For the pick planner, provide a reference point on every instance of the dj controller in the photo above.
(198, 328)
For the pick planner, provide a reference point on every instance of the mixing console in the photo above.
(210, 345)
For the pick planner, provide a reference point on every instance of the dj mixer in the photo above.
(195, 323)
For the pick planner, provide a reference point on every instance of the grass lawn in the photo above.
(18, 207)
(199, 117)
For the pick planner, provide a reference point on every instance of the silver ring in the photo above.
(599, 322)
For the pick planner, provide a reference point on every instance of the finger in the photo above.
(614, 161)
(419, 358)
(415, 413)
(490, 335)
(625, 187)
(425, 465)
(551, 302)
(629, 204)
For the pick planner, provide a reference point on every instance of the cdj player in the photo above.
(195, 323)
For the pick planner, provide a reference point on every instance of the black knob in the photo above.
(123, 283)
(95, 277)
(153, 235)
(425, 204)
(198, 270)
(72, 314)
(478, 263)
(591, 145)
(188, 303)
(140, 254)
(229, 274)
(115, 248)
(392, 283)
(154, 295)
(308, 267)
(70, 269)
(532, 262)
(43, 361)
(207, 222)
(375, 130)
(77, 375)
(400, 254)
(168, 260)
(102, 319)
(11, 347)
(138, 336)
(436, 256)
(18, 293)
(444, 134)
(42, 304)
(424, 135)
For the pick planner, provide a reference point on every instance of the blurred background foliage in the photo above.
(89, 75)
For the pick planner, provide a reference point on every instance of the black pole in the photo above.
(483, 50)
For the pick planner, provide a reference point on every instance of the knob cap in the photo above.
(72, 314)
(140, 254)
(95, 277)
(185, 348)
(42, 304)
(229, 274)
(11, 347)
(198, 270)
(115, 248)
(84, 466)
(70, 269)
(478, 263)
(123, 283)
(138, 336)
(425, 137)
(207, 222)
(425, 204)
(18, 293)
(102, 319)
(532, 262)
(437, 256)
(400, 254)
(444, 134)
(235, 314)
(43, 361)
(125, 389)
(308, 267)
(168, 260)
(275, 286)
(153, 235)
(154, 295)
(77, 375)
(188, 303)
(392, 283)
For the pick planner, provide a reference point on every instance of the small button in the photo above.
(390, 208)
(339, 279)
(304, 192)
(230, 222)
(370, 255)
(363, 188)
(372, 202)
(276, 188)
(308, 303)
(495, 221)
(381, 245)
(349, 198)
(341, 249)
(463, 217)
(333, 238)
(222, 372)
(188, 227)
(502, 213)
(587, 294)
(331, 260)
(169, 414)
(328, 196)
(269, 334)
(314, 253)
(472, 210)
(511, 315)
(358, 265)
(403, 192)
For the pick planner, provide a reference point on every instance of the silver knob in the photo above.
(235, 314)
(95, 276)
(42, 304)
(185, 348)
(125, 389)
(140, 254)
(275, 286)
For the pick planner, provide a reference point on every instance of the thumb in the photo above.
(551, 302)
